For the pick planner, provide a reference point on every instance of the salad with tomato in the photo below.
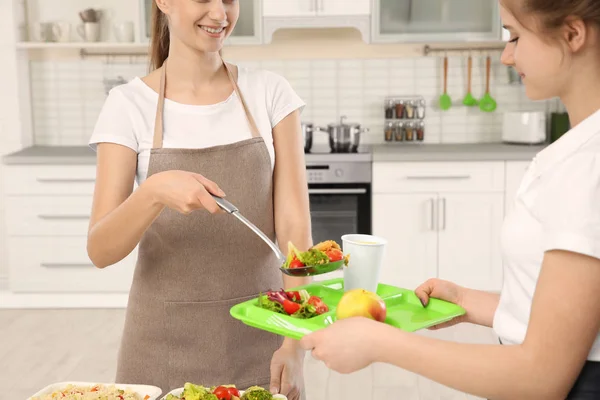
(223, 392)
(297, 304)
(322, 253)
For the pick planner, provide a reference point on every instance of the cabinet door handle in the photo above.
(63, 217)
(437, 177)
(431, 214)
(66, 180)
(442, 213)
(68, 265)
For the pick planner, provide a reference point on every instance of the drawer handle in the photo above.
(440, 177)
(69, 265)
(63, 217)
(65, 180)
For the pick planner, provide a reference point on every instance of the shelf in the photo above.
(82, 46)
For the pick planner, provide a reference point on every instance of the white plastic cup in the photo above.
(366, 260)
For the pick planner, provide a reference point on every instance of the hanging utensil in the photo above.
(445, 100)
(469, 100)
(487, 103)
(309, 270)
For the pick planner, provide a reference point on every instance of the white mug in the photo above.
(62, 31)
(365, 263)
(44, 32)
(89, 31)
(124, 32)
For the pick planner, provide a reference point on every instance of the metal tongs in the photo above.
(309, 270)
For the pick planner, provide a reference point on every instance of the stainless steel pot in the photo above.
(344, 137)
(307, 136)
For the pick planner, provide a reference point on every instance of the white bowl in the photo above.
(143, 390)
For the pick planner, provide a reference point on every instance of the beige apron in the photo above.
(193, 268)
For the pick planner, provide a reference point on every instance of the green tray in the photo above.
(404, 311)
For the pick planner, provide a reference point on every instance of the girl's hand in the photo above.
(442, 290)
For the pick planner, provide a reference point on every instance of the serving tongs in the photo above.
(309, 270)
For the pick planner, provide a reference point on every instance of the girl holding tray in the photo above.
(548, 314)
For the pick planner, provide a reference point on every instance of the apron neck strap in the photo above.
(157, 142)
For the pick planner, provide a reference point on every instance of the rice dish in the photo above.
(95, 392)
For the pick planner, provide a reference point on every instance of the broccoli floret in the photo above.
(257, 393)
(313, 257)
(194, 392)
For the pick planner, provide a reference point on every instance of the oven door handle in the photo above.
(337, 191)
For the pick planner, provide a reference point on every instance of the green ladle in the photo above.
(445, 100)
(469, 100)
(487, 102)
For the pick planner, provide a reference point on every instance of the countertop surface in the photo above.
(67, 155)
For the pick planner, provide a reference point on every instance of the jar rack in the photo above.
(404, 118)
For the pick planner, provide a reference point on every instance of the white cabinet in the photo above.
(407, 221)
(343, 7)
(289, 8)
(441, 220)
(469, 240)
(436, 20)
(248, 29)
(315, 8)
(311, 14)
(47, 218)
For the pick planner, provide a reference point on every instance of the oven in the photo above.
(340, 198)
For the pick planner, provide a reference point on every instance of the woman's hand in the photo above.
(184, 191)
(442, 290)
(287, 370)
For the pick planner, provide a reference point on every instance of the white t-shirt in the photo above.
(557, 207)
(127, 117)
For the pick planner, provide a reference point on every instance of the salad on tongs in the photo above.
(321, 258)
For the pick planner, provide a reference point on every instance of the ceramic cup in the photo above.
(89, 31)
(124, 32)
(366, 260)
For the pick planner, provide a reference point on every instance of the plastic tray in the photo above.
(177, 392)
(404, 311)
(143, 390)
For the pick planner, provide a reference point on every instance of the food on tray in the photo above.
(298, 304)
(321, 253)
(223, 392)
(95, 392)
(361, 303)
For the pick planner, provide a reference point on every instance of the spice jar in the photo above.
(399, 132)
(421, 131)
(410, 109)
(409, 132)
(400, 106)
(389, 131)
(421, 109)
(390, 109)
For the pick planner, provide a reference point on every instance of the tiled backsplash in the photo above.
(68, 95)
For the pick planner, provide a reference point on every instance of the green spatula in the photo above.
(445, 100)
(469, 100)
(487, 102)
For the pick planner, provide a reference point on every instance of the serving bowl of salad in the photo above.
(192, 391)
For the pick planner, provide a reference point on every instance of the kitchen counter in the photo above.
(61, 155)
(52, 155)
(454, 152)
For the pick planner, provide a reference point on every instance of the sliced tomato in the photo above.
(296, 263)
(293, 295)
(233, 392)
(290, 307)
(222, 393)
(318, 304)
(334, 255)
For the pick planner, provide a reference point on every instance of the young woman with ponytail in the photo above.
(193, 128)
(548, 314)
